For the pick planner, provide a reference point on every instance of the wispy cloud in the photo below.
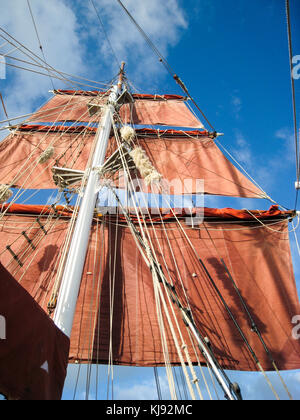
(265, 170)
(73, 41)
(287, 145)
(243, 150)
(57, 26)
(236, 103)
(163, 22)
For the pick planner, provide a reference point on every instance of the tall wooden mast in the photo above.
(71, 280)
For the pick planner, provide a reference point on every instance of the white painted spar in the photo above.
(68, 294)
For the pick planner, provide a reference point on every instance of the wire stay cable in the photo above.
(290, 44)
(61, 72)
(164, 61)
(38, 38)
(106, 34)
(30, 54)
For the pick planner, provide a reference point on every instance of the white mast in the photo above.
(71, 280)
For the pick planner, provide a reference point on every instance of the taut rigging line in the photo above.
(39, 40)
(288, 16)
(205, 348)
(250, 349)
(254, 326)
(163, 60)
(48, 67)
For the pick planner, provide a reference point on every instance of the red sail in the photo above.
(168, 110)
(257, 255)
(20, 153)
(33, 351)
(183, 159)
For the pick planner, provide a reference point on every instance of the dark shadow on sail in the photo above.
(235, 304)
(45, 262)
(280, 278)
(108, 341)
(212, 322)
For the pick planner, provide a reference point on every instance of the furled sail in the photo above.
(183, 159)
(165, 110)
(118, 285)
(33, 351)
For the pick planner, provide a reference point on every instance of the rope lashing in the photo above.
(5, 193)
(46, 155)
(145, 167)
(127, 133)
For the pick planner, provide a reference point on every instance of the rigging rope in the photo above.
(4, 108)
(163, 60)
(38, 38)
(38, 62)
(158, 387)
(258, 363)
(21, 47)
(154, 264)
(158, 274)
(105, 34)
(72, 82)
(60, 72)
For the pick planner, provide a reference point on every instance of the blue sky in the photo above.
(233, 57)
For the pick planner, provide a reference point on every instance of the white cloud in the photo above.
(243, 151)
(287, 138)
(161, 21)
(57, 26)
(73, 41)
(236, 103)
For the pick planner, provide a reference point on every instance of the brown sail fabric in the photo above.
(183, 159)
(167, 110)
(257, 255)
(33, 351)
(20, 153)
(260, 262)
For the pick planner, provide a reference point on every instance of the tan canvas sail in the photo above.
(257, 255)
(166, 110)
(183, 158)
(21, 152)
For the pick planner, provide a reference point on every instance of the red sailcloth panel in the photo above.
(117, 301)
(173, 113)
(183, 161)
(20, 153)
(33, 351)
(168, 110)
(260, 262)
(64, 108)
